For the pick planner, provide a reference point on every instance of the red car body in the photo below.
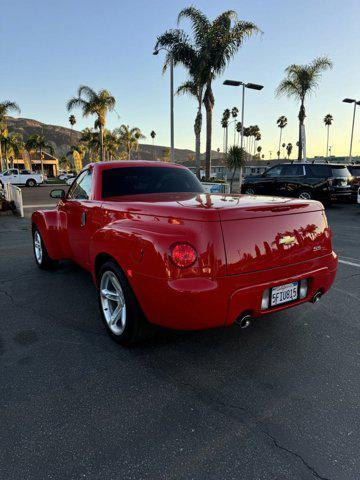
(242, 244)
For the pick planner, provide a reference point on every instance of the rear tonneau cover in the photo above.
(264, 237)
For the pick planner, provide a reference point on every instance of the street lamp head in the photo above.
(233, 83)
(349, 100)
(254, 86)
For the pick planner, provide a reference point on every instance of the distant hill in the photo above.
(61, 138)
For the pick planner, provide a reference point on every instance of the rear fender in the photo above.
(143, 246)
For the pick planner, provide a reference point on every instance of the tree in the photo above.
(289, 148)
(129, 138)
(6, 107)
(234, 114)
(37, 143)
(215, 43)
(90, 139)
(281, 123)
(77, 152)
(181, 51)
(225, 126)
(235, 160)
(72, 121)
(196, 90)
(65, 164)
(94, 103)
(300, 81)
(111, 145)
(12, 146)
(328, 119)
(153, 135)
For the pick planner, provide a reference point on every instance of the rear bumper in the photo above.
(200, 303)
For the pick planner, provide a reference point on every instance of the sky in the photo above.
(49, 47)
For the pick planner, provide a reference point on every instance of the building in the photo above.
(33, 162)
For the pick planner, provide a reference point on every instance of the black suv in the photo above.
(320, 181)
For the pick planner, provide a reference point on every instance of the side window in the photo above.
(274, 172)
(293, 170)
(81, 187)
(318, 171)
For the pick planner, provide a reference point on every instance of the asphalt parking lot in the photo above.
(279, 401)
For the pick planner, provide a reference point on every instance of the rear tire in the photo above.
(249, 191)
(31, 183)
(42, 258)
(305, 195)
(119, 308)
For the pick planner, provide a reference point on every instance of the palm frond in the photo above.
(199, 22)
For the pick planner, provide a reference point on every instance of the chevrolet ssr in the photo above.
(163, 252)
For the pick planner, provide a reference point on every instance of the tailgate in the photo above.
(270, 241)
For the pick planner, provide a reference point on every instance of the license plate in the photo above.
(284, 293)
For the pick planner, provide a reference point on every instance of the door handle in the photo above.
(83, 219)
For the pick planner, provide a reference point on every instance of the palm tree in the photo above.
(225, 126)
(181, 51)
(37, 143)
(235, 159)
(301, 80)
(259, 148)
(215, 43)
(111, 145)
(281, 123)
(6, 107)
(289, 148)
(234, 114)
(77, 152)
(194, 88)
(238, 129)
(94, 103)
(12, 146)
(72, 121)
(65, 164)
(153, 135)
(328, 119)
(129, 138)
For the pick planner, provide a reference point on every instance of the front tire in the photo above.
(42, 258)
(249, 191)
(31, 183)
(120, 311)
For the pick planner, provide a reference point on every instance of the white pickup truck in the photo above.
(20, 177)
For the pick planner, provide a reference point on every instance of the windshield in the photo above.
(143, 180)
(340, 171)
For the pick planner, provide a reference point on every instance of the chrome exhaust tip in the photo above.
(316, 297)
(244, 321)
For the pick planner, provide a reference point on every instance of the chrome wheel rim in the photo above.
(305, 196)
(113, 302)
(38, 247)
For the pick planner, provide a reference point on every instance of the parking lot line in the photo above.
(350, 263)
(41, 205)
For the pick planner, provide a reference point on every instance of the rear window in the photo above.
(142, 180)
(318, 171)
(355, 171)
(340, 171)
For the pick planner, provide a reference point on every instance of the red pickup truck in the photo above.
(163, 252)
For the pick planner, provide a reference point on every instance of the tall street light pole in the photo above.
(355, 102)
(172, 152)
(252, 86)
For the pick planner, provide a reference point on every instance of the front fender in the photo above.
(48, 223)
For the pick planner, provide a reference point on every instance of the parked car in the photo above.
(321, 181)
(66, 175)
(163, 252)
(70, 180)
(21, 177)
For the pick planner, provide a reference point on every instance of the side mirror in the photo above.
(58, 193)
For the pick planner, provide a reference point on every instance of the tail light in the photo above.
(183, 255)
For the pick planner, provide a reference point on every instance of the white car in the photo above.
(70, 180)
(21, 177)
